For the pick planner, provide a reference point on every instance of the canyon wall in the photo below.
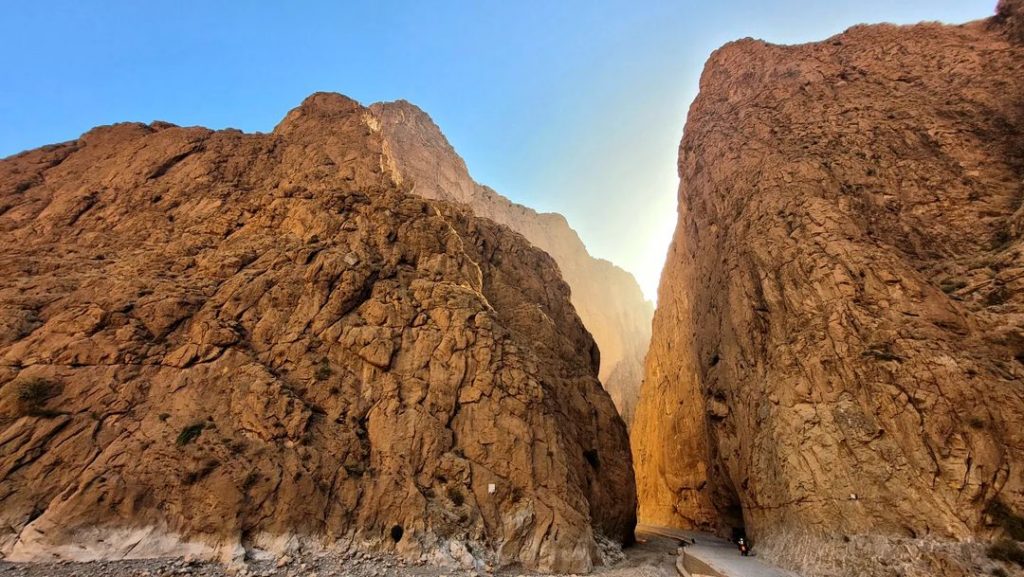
(837, 360)
(607, 298)
(213, 341)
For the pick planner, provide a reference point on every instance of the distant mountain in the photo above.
(607, 298)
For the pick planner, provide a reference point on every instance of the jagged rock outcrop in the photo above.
(1010, 19)
(607, 298)
(211, 340)
(837, 358)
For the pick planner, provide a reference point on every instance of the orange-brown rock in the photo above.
(1010, 18)
(838, 350)
(216, 340)
(607, 298)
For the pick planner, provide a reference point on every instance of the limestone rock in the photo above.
(213, 339)
(838, 348)
(607, 298)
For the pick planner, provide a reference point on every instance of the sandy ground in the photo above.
(653, 556)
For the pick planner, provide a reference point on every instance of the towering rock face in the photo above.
(838, 349)
(214, 339)
(607, 298)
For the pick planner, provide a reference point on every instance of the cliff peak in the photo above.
(318, 110)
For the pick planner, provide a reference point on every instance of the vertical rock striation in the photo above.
(838, 350)
(217, 340)
(607, 298)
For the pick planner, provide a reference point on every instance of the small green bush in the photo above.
(1008, 551)
(516, 495)
(250, 480)
(31, 396)
(324, 371)
(1001, 239)
(1003, 516)
(456, 496)
(998, 296)
(951, 286)
(190, 433)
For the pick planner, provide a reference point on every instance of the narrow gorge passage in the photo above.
(321, 344)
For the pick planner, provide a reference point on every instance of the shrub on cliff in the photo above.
(1007, 550)
(31, 395)
(1003, 516)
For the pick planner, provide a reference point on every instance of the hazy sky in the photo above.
(574, 106)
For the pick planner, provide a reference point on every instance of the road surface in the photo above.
(719, 555)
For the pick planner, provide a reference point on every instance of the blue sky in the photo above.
(575, 106)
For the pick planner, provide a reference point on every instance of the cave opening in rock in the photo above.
(731, 522)
(396, 533)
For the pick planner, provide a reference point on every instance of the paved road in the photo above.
(719, 554)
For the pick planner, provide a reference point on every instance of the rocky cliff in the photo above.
(607, 298)
(212, 341)
(837, 360)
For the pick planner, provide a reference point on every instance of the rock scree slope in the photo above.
(607, 298)
(213, 341)
(838, 350)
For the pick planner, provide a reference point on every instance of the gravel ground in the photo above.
(652, 557)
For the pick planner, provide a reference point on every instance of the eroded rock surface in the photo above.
(838, 350)
(607, 298)
(215, 340)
